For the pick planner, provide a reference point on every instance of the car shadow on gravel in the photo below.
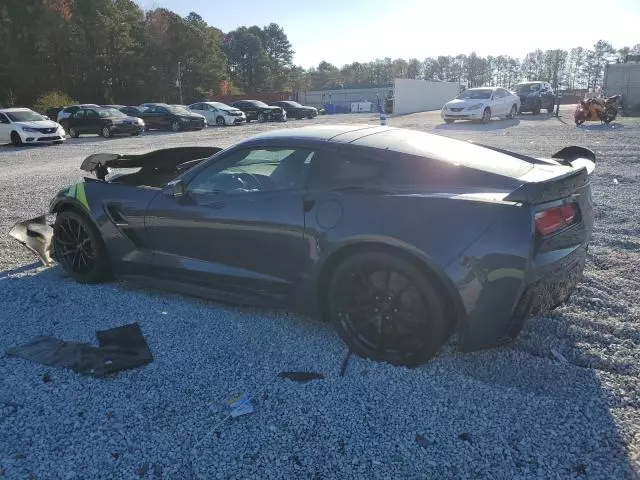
(600, 127)
(9, 148)
(468, 125)
(526, 117)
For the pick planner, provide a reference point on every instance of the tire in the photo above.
(16, 140)
(449, 120)
(262, 118)
(220, 122)
(85, 260)
(59, 142)
(73, 132)
(579, 121)
(387, 285)
(486, 115)
(135, 134)
(513, 112)
(310, 116)
(609, 116)
(105, 132)
(175, 126)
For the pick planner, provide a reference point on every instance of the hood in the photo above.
(126, 119)
(38, 124)
(460, 103)
(271, 108)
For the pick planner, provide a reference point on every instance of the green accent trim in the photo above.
(81, 196)
(77, 191)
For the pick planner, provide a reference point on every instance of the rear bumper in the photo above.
(124, 129)
(552, 287)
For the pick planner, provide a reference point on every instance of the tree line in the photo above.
(111, 51)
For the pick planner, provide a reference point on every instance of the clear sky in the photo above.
(344, 31)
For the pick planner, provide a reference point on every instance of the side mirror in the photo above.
(175, 189)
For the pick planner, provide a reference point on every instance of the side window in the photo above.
(197, 106)
(161, 110)
(342, 170)
(3, 119)
(91, 114)
(78, 114)
(255, 170)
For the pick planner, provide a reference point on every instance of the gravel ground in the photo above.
(509, 413)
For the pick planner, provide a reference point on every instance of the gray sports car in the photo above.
(397, 237)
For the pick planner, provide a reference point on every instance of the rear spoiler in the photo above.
(581, 160)
(166, 160)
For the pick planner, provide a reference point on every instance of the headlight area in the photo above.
(140, 122)
(30, 129)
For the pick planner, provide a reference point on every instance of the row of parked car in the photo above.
(24, 126)
(484, 103)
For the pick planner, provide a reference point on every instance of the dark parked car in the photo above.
(398, 237)
(535, 96)
(66, 112)
(131, 111)
(161, 116)
(103, 121)
(295, 110)
(52, 112)
(260, 111)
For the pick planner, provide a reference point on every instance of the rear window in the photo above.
(444, 149)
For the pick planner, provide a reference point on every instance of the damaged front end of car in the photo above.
(153, 169)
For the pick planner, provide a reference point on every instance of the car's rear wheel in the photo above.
(175, 126)
(73, 132)
(486, 115)
(386, 309)
(262, 118)
(16, 140)
(79, 248)
(513, 112)
(105, 132)
(220, 121)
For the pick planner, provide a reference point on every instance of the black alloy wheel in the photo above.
(385, 309)
(79, 248)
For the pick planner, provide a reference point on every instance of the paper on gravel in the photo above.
(240, 406)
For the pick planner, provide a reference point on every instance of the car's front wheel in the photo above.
(220, 121)
(79, 248)
(175, 126)
(105, 132)
(513, 112)
(384, 308)
(486, 115)
(73, 132)
(16, 140)
(262, 118)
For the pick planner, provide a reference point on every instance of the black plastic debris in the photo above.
(423, 442)
(121, 348)
(301, 376)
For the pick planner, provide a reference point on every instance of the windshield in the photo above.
(527, 87)
(180, 110)
(24, 116)
(292, 104)
(476, 94)
(110, 112)
(258, 103)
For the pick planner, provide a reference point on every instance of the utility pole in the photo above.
(179, 82)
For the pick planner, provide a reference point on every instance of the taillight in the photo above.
(554, 219)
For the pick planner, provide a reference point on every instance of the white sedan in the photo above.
(220, 114)
(481, 104)
(24, 126)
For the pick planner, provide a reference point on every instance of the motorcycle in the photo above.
(586, 110)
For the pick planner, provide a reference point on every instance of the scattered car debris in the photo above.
(558, 356)
(345, 363)
(615, 181)
(465, 437)
(121, 348)
(301, 377)
(240, 406)
(423, 442)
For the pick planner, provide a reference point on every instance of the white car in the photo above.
(24, 126)
(481, 104)
(220, 114)
(66, 112)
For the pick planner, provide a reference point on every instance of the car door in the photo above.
(75, 120)
(239, 228)
(91, 121)
(210, 113)
(5, 128)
